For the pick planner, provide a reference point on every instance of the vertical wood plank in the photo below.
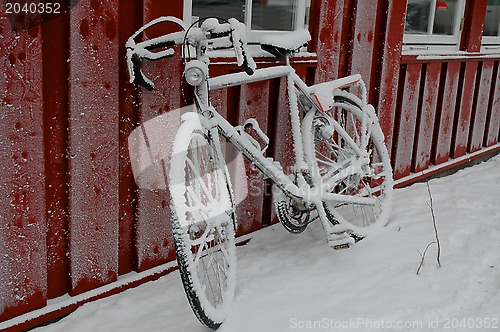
(444, 124)
(393, 39)
(253, 104)
(153, 235)
(93, 144)
(130, 19)
(55, 47)
(478, 120)
(493, 120)
(472, 31)
(153, 232)
(328, 23)
(463, 111)
(363, 47)
(425, 129)
(405, 132)
(23, 269)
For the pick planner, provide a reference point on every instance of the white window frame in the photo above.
(435, 42)
(491, 44)
(254, 36)
(491, 40)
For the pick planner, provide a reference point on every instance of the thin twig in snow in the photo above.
(423, 256)
(434, 224)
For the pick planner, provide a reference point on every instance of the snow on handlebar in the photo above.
(239, 40)
(143, 50)
(209, 29)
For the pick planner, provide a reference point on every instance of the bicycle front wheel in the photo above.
(203, 223)
(345, 148)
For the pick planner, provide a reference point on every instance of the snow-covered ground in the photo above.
(296, 282)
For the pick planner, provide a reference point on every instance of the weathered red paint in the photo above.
(464, 109)
(443, 108)
(426, 117)
(407, 118)
(23, 270)
(346, 37)
(93, 144)
(152, 229)
(314, 16)
(445, 113)
(472, 31)
(492, 134)
(55, 49)
(363, 50)
(389, 74)
(56, 314)
(450, 166)
(480, 111)
(327, 37)
(130, 19)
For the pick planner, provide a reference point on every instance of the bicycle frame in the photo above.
(301, 189)
(335, 141)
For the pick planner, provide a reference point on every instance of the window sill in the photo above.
(224, 57)
(490, 49)
(444, 56)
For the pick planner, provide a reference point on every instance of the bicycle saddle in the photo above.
(285, 45)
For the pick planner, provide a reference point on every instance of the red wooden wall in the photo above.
(431, 108)
(71, 216)
(23, 281)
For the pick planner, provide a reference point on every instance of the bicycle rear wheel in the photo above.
(361, 169)
(203, 223)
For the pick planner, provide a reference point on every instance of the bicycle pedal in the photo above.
(341, 246)
(341, 243)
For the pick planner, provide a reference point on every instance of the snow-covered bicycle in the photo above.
(341, 175)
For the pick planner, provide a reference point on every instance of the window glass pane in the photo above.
(417, 16)
(273, 14)
(219, 8)
(445, 17)
(492, 19)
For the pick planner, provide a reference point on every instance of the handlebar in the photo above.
(236, 31)
(143, 50)
(194, 36)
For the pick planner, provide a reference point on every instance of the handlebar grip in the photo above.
(239, 41)
(139, 75)
(144, 50)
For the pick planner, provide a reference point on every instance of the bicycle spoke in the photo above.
(208, 281)
(361, 170)
(199, 181)
(201, 247)
(207, 243)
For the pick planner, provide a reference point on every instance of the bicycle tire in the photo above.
(331, 156)
(203, 221)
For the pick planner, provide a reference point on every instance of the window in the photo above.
(258, 15)
(491, 30)
(433, 24)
